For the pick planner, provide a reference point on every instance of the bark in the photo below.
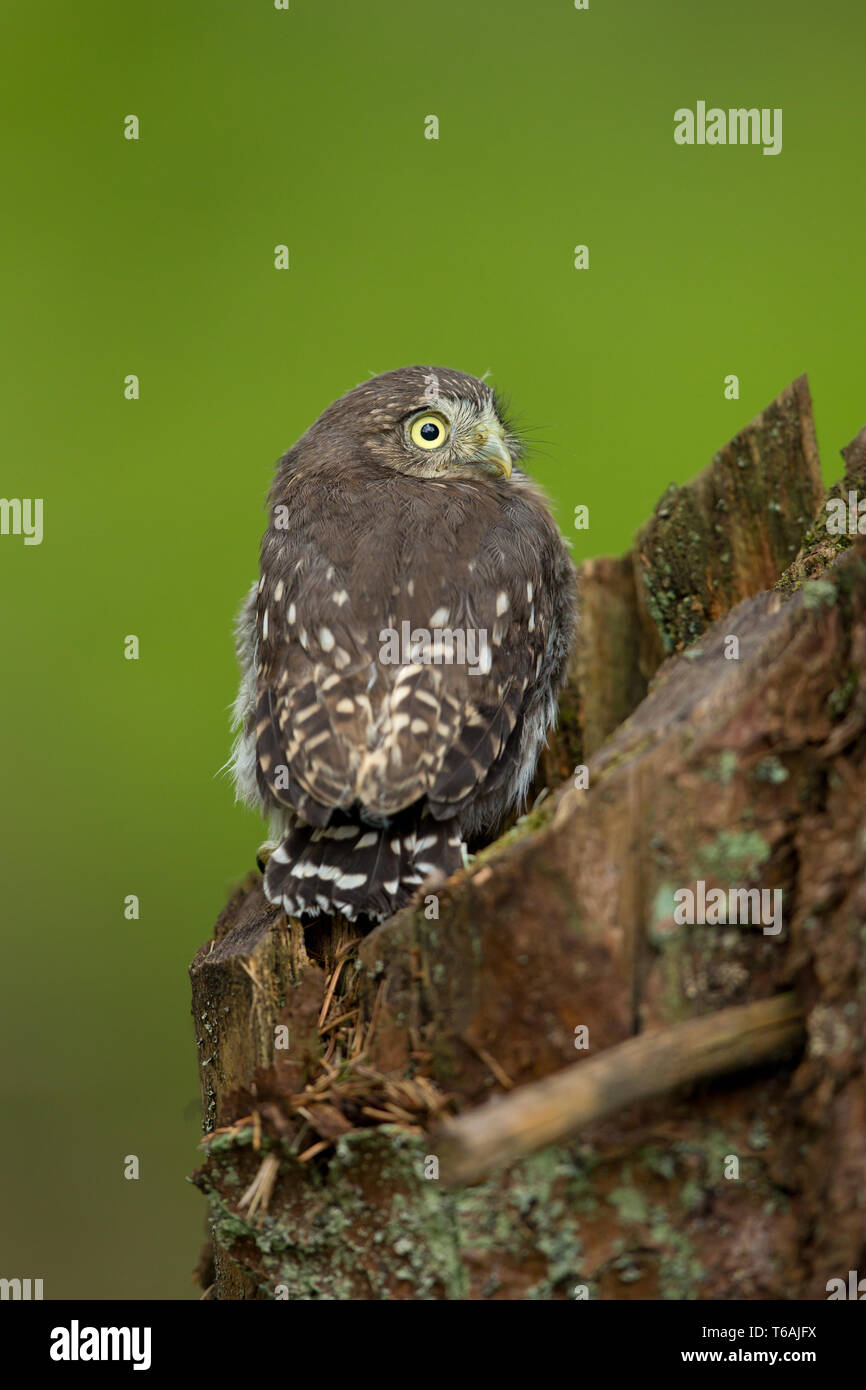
(331, 1169)
(724, 536)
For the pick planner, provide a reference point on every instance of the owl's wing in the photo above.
(345, 716)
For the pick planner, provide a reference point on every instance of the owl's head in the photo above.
(432, 422)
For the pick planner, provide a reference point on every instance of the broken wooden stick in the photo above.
(554, 1109)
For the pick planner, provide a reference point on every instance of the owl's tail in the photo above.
(360, 870)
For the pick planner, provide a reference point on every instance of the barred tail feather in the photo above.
(359, 870)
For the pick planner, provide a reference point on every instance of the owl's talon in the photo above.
(263, 854)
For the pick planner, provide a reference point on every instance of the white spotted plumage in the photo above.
(376, 773)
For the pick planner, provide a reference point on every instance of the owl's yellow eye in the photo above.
(429, 431)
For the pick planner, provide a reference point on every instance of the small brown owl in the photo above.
(403, 650)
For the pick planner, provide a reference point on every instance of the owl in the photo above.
(402, 651)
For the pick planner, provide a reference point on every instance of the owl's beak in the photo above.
(492, 450)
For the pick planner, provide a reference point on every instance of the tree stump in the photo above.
(342, 1073)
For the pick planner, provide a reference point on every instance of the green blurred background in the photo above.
(156, 258)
